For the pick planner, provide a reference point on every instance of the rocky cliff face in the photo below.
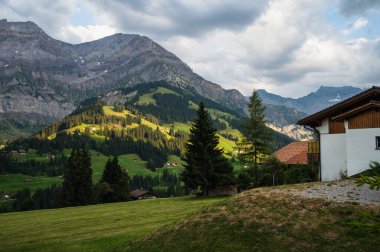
(48, 78)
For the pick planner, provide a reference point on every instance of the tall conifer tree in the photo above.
(117, 179)
(256, 135)
(205, 167)
(77, 183)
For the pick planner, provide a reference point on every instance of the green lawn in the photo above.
(134, 165)
(14, 182)
(105, 227)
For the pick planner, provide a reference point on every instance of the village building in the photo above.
(349, 135)
(139, 194)
(300, 153)
(6, 196)
(293, 153)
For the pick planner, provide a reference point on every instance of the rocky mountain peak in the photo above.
(20, 27)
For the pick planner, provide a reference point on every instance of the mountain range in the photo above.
(324, 97)
(45, 79)
(42, 79)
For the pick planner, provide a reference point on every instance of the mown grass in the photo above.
(105, 227)
(263, 220)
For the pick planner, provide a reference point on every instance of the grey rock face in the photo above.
(46, 77)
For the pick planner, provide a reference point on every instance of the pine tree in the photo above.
(256, 135)
(77, 183)
(117, 179)
(205, 167)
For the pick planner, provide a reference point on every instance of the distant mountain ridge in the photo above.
(315, 101)
(283, 113)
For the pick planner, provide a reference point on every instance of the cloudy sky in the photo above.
(288, 47)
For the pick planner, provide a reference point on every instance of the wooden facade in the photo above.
(367, 119)
(336, 127)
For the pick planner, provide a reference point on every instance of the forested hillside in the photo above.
(148, 122)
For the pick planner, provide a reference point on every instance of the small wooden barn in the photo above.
(139, 194)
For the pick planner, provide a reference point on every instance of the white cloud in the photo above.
(357, 25)
(78, 34)
(288, 50)
(285, 46)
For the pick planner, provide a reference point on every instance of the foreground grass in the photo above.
(264, 220)
(93, 228)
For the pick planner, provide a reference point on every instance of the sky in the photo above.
(288, 47)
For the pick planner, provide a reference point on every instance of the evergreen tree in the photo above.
(205, 167)
(77, 183)
(256, 135)
(118, 181)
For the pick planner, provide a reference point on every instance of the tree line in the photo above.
(78, 189)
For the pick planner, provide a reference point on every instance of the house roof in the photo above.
(370, 95)
(138, 193)
(293, 153)
(352, 112)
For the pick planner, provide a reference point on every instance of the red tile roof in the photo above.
(293, 153)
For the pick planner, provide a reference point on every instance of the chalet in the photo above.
(139, 194)
(349, 134)
(22, 152)
(6, 196)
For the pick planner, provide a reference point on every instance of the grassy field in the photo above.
(13, 182)
(147, 99)
(131, 162)
(264, 220)
(105, 227)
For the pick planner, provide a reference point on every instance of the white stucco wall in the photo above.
(333, 156)
(324, 128)
(361, 149)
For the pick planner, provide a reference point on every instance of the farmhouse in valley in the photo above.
(139, 194)
(349, 134)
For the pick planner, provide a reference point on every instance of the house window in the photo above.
(378, 143)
